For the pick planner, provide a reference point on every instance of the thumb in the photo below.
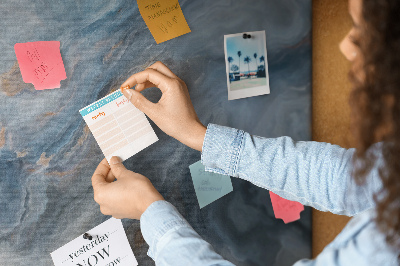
(117, 167)
(100, 174)
(138, 100)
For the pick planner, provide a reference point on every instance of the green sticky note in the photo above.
(209, 186)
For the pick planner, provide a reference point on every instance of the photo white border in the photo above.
(248, 92)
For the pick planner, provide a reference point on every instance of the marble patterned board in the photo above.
(47, 153)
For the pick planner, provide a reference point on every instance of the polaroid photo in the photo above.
(246, 64)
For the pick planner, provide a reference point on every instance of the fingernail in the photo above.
(129, 92)
(115, 160)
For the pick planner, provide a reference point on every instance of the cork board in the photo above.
(331, 89)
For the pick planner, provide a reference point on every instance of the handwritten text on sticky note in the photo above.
(209, 186)
(164, 18)
(288, 211)
(108, 246)
(41, 64)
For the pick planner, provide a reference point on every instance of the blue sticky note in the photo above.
(209, 186)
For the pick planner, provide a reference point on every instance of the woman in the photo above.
(316, 174)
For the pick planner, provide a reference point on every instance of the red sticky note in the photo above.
(288, 211)
(41, 64)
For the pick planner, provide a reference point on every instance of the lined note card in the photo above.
(164, 18)
(209, 186)
(118, 126)
(108, 246)
(41, 64)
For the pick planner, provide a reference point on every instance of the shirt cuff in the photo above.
(158, 219)
(221, 151)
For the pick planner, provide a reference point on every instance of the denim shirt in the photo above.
(312, 173)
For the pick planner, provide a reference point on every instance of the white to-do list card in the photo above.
(118, 126)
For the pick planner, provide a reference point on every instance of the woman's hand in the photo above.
(128, 197)
(174, 113)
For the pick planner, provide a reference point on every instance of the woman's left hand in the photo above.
(128, 197)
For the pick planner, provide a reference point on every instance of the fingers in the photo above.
(149, 75)
(117, 167)
(140, 102)
(110, 177)
(100, 174)
(143, 86)
(160, 67)
(156, 75)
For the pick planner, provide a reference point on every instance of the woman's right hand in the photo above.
(173, 113)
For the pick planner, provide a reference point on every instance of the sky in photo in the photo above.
(248, 47)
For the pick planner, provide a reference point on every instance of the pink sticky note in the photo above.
(288, 211)
(41, 64)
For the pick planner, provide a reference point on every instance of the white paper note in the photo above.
(118, 126)
(109, 246)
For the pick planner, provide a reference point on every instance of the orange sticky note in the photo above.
(164, 18)
(288, 211)
(41, 64)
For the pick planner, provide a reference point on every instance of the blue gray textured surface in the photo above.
(48, 155)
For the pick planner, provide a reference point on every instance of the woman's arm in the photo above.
(313, 173)
(173, 241)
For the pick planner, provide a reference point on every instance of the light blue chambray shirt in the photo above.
(312, 173)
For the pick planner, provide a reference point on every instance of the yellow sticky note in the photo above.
(164, 18)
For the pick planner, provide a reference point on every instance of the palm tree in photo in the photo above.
(262, 59)
(255, 58)
(239, 55)
(247, 60)
(230, 60)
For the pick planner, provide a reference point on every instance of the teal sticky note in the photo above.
(209, 186)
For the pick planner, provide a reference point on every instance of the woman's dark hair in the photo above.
(375, 103)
